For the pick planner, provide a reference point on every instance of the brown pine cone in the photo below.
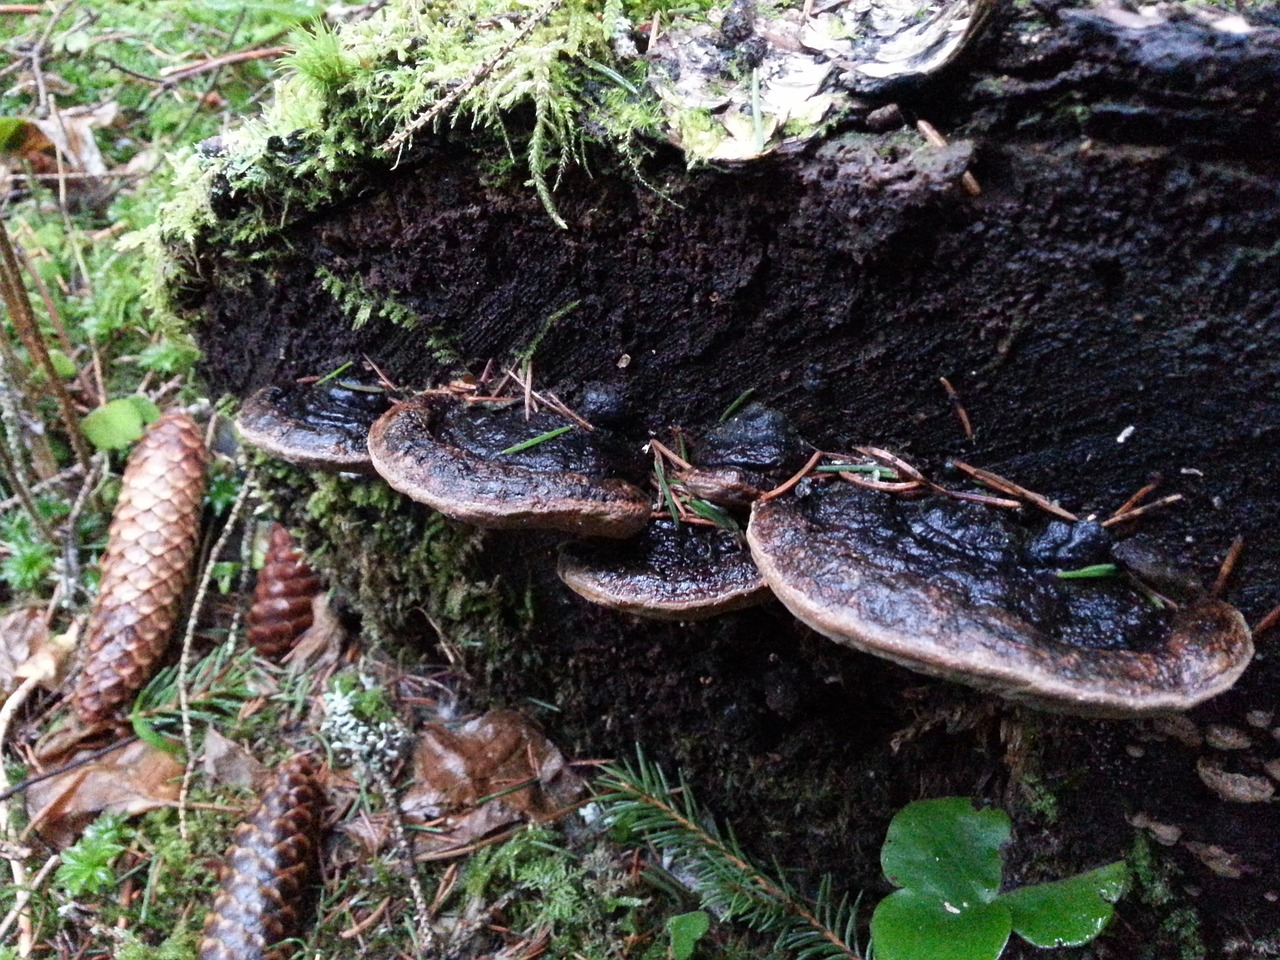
(282, 598)
(271, 862)
(145, 569)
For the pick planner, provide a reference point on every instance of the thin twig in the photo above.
(471, 80)
(425, 935)
(55, 318)
(184, 661)
(64, 768)
(175, 74)
(72, 471)
(25, 893)
(936, 139)
(23, 493)
(17, 868)
(70, 552)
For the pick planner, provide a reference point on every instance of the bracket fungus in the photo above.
(496, 469)
(319, 426)
(669, 572)
(968, 593)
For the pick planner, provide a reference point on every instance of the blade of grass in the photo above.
(540, 438)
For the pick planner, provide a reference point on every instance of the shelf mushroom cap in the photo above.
(427, 450)
(667, 573)
(947, 589)
(315, 426)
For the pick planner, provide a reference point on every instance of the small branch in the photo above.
(19, 307)
(425, 935)
(17, 868)
(184, 661)
(177, 74)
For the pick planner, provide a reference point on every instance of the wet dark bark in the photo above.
(1108, 308)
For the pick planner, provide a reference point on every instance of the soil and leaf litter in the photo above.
(213, 725)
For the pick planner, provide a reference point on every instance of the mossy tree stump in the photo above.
(1108, 309)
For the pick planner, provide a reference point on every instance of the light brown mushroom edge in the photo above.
(668, 572)
(965, 592)
(468, 464)
(319, 426)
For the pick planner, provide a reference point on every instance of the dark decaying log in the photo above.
(1106, 308)
(282, 597)
(145, 568)
(262, 895)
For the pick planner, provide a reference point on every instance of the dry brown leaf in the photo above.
(225, 761)
(476, 779)
(134, 779)
(320, 645)
(50, 657)
(21, 629)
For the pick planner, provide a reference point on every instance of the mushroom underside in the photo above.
(948, 589)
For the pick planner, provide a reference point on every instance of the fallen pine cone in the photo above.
(271, 862)
(145, 568)
(282, 598)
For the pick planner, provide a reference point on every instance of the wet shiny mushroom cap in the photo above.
(460, 461)
(966, 592)
(322, 426)
(667, 573)
(738, 460)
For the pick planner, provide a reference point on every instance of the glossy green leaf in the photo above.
(946, 848)
(1068, 912)
(908, 925)
(686, 930)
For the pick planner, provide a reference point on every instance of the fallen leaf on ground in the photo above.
(320, 645)
(225, 761)
(134, 779)
(21, 629)
(474, 780)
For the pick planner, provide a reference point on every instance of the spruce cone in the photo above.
(271, 862)
(145, 569)
(282, 598)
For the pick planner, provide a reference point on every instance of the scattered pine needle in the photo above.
(1138, 497)
(788, 484)
(1139, 511)
(997, 482)
(1228, 566)
(1267, 623)
(958, 407)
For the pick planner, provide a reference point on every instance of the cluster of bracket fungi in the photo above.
(861, 548)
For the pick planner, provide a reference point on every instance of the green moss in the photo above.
(360, 305)
(354, 98)
(363, 528)
(1153, 882)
